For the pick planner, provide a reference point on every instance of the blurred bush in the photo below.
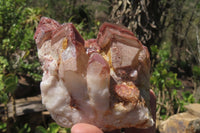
(165, 84)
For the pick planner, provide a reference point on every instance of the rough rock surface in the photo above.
(103, 81)
(193, 109)
(187, 122)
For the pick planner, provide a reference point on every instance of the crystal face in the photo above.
(102, 81)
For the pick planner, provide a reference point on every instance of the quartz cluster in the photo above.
(102, 81)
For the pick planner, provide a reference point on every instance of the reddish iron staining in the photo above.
(91, 46)
(126, 92)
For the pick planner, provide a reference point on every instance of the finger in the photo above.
(153, 111)
(85, 128)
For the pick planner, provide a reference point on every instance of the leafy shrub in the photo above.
(165, 84)
(17, 51)
(17, 47)
(52, 128)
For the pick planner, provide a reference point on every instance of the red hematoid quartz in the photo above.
(103, 81)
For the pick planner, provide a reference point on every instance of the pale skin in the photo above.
(87, 128)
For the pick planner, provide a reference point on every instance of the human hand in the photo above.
(87, 128)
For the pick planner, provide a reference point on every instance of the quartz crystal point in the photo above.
(103, 81)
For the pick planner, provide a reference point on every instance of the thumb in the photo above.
(85, 128)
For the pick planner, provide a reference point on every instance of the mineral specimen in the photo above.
(103, 81)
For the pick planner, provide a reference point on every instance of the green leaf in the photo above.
(3, 98)
(174, 92)
(196, 71)
(178, 84)
(40, 129)
(53, 128)
(10, 81)
(3, 125)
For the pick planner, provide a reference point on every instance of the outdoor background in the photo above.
(169, 28)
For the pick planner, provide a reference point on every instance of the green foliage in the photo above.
(52, 128)
(17, 51)
(63, 10)
(162, 77)
(85, 33)
(24, 129)
(166, 84)
(78, 12)
(10, 82)
(16, 128)
(196, 72)
(3, 127)
(18, 23)
(187, 98)
(17, 46)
